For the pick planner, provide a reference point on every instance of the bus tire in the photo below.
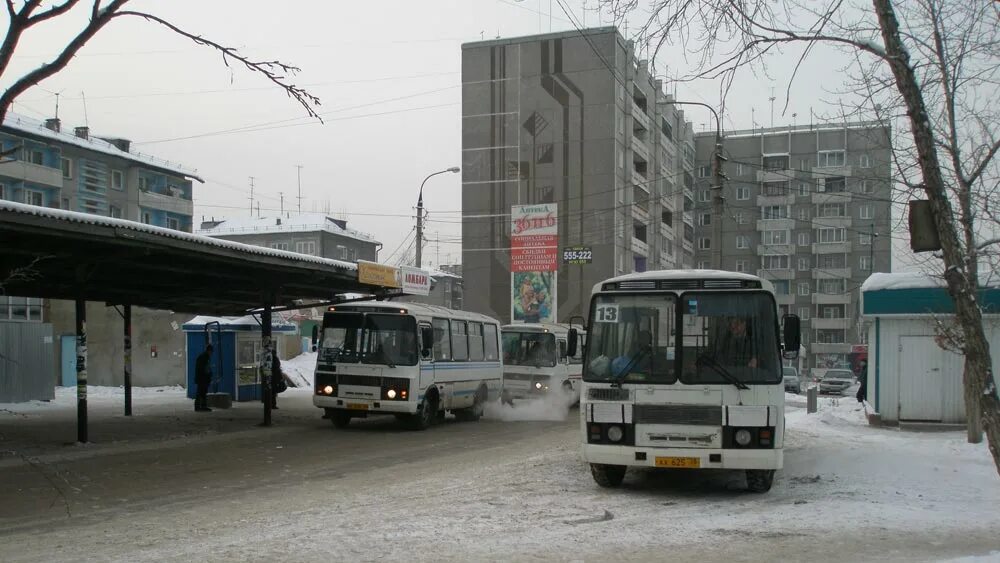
(475, 412)
(760, 480)
(427, 415)
(340, 419)
(608, 476)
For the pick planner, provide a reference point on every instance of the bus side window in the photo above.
(490, 340)
(442, 340)
(459, 341)
(476, 353)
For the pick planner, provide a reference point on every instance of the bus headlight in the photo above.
(391, 393)
(538, 385)
(328, 390)
(742, 437)
(615, 433)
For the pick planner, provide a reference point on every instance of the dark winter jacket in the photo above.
(203, 368)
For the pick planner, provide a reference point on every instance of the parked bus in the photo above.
(410, 360)
(683, 370)
(537, 362)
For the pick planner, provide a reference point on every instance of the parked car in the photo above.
(790, 377)
(836, 381)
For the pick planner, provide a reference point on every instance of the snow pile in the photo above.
(902, 280)
(300, 369)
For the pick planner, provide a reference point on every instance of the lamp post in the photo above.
(420, 210)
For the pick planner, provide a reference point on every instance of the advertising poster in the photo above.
(533, 297)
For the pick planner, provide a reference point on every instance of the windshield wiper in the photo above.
(717, 368)
(620, 377)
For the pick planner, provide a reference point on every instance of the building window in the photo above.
(826, 159)
(143, 183)
(34, 156)
(705, 219)
(67, 168)
(830, 336)
(803, 164)
(279, 245)
(115, 212)
(742, 265)
(803, 263)
(704, 243)
(780, 287)
(3, 191)
(867, 212)
(803, 288)
(741, 169)
(775, 188)
(865, 161)
(704, 195)
(33, 197)
(830, 235)
(639, 231)
(865, 263)
(742, 193)
(704, 171)
(667, 217)
(804, 313)
(832, 286)
(774, 212)
(774, 262)
(147, 218)
(20, 308)
(830, 261)
(117, 180)
(775, 237)
(803, 189)
(867, 187)
(803, 214)
(833, 210)
(803, 239)
(833, 185)
(621, 262)
(864, 239)
(621, 159)
(703, 264)
(779, 162)
(173, 223)
(742, 242)
(306, 247)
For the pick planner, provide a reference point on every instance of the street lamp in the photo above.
(420, 210)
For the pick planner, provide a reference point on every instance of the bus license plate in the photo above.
(690, 462)
(357, 406)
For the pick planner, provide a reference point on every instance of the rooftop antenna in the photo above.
(281, 198)
(772, 105)
(57, 105)
(86, 120)
(251, 198)
(299, 197)
(258, 209)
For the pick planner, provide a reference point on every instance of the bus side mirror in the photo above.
(792, 337)
(571, 342)
(315, 337)
(426, 341)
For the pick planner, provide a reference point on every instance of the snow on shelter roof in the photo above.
(295, 223)
(87, 218)
(29, 126)
(915, 280)
(231, 323)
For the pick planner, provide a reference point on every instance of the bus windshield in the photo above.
(529, 349)
(370, 338)
(631, 339)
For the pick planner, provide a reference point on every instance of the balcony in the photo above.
(831, 273)
(775, 224)
(639, 178)
(165, 202)
(819, 198)
(640, 247)
(33, 173)
(819, 348)
(831, 298)
(831, 223)
(822, 172)
(785, 299)
(640, 211)
(821, 323)
(785, 249)
(831, 247)
(775, 175)
(782, 274)
(640, 116)
(639, 146)
(766, 200)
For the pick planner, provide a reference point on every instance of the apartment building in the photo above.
(577, 120)
(77, 171)
(808, 208)
(307, 233)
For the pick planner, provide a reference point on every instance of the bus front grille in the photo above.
(607, 394)
(700, 415)
(360, 380)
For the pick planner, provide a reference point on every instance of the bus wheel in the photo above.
(427, 415)
(760, 480)
(608, 476)
(475, 412)
(340, 419)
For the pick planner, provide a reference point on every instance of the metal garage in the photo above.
(911, 377)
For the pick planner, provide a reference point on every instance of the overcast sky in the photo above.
(387, 72)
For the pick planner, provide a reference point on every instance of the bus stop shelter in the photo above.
(55, 254)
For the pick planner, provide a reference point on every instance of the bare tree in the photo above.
(29, 15)
(933, 62)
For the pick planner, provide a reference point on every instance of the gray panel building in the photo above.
(307, 233)
(808, 208)
(573, 119)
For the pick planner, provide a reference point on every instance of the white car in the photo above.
(790, 378)
(836, 381)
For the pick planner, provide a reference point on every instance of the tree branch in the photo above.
(274, 71)
(52, 12)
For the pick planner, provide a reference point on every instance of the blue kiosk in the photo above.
(236, 355)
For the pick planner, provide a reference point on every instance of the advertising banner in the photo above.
(415, 281)
(379, 274)
(533, 297)
(534, 238)
(577, 255)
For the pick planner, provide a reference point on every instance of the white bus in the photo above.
(410, 360)
(683, 370)
(537, 362)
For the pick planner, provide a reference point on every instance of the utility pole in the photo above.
(420, 212)
(281, 198)
(299, 176)
(772, 98)
(251, 197)
(871, 250)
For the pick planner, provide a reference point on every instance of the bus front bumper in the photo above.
(691, 458)
(363, 407)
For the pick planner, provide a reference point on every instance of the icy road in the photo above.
(212, 487)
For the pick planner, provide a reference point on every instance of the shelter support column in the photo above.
(81, 370)
(127, 336)
(266, 359)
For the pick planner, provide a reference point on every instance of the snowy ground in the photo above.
(506, 488)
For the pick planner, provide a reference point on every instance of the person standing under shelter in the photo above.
(202, 378)
(277, 379)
